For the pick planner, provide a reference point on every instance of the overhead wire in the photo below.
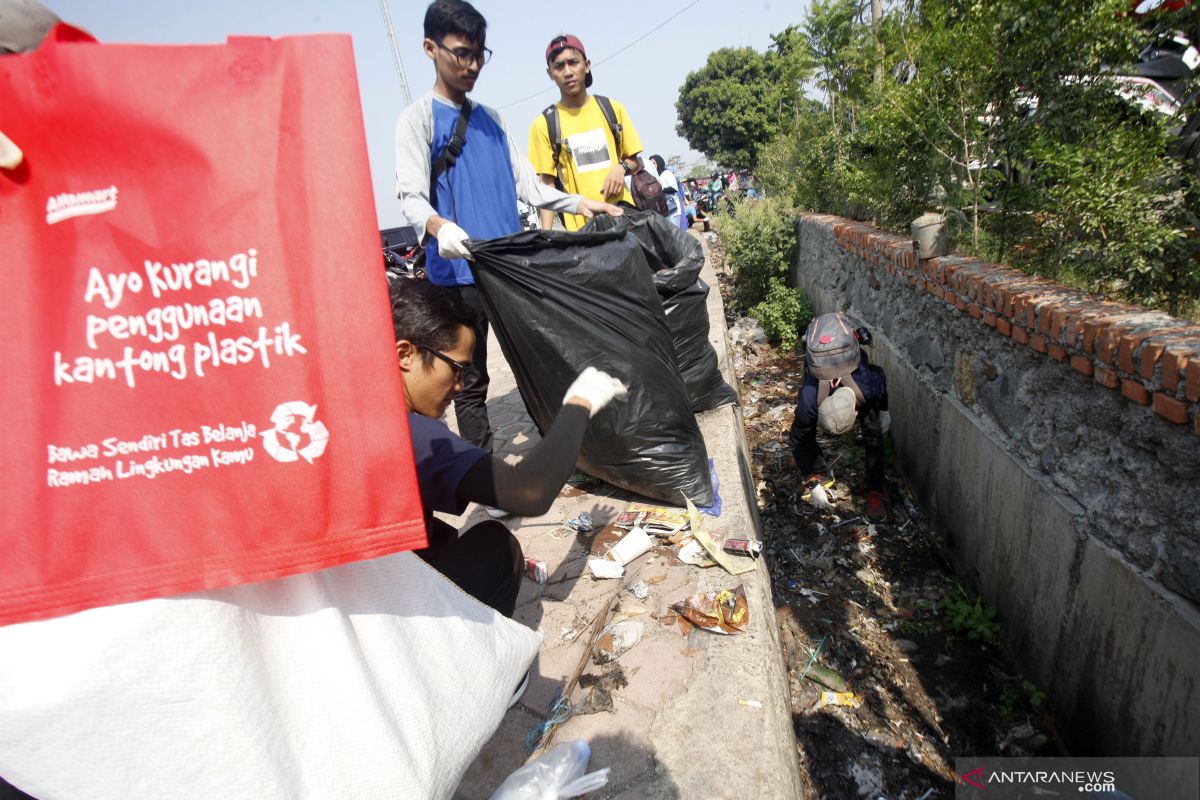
(610, 56)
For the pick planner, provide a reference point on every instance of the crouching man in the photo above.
(841, 386)
(435, 340)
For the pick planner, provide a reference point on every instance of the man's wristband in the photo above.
(625, 166)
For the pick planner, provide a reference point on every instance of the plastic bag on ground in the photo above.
(677, 259)
(557, 773)
(560, 302)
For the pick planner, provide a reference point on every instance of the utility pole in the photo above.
(876, 23)
(387, 23)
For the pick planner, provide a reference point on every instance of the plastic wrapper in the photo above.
(559, 302)
(676, 259)
(617, 639)
(723, 611)
(557, 773)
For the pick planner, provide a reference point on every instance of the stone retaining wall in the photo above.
(1054, 439)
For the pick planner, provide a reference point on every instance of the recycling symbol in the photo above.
(296, 433)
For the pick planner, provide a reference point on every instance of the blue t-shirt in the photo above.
(442, 460)
(477, 192)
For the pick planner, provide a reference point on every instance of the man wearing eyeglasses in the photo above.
(434, 342)
(476, 196)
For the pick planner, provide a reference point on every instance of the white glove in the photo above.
(10, 155)
(885, 421)
(452, 241)
(597, 388)
(819, 497)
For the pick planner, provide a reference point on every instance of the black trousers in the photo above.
(470, 404)
(485, 562)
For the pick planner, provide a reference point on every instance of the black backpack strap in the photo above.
(847, 380)
(554, 133)
(610, 114)
(451, 152)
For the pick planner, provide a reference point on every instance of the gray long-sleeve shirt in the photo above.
(414, 138)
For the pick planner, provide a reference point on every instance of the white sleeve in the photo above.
(530, 188)
(414, 137)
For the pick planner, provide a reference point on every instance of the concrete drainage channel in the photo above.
(1053, 440)
(893, 664)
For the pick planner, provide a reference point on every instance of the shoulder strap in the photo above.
(848, 380)
(611, 115)
(449, 155)
(823, 388)
(822, 391)
(553, 132)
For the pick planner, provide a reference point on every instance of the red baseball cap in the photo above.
(562, 42)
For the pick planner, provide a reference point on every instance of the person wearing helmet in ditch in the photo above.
(841, 386)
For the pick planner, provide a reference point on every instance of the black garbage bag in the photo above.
(560, 302)
(677, 259)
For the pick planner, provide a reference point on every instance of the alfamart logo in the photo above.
(77, 204)
(1079, 780)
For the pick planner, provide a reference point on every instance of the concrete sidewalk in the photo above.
(699, 716)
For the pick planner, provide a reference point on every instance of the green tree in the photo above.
(1005, 110)
(736, 102)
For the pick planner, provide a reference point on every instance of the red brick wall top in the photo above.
(1151, 358)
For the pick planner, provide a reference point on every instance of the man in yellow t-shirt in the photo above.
(589, 163)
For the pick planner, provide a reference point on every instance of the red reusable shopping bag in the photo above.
(200, 386)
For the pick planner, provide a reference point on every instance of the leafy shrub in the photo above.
(760, 243)
(781, 313)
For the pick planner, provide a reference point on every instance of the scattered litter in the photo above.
(558, 773)
(723, 611)
(907, 645)
(692, 552)
(635, 543)
(598, 690)
(561, 533)
(750, 703)
(581, 523)
(655, 520)
(850, 521)
(640, 589)
(848, 699)
(732, 565)
(536, 570)
(884, 738)
(627, 610)
(605, 568)
(870, 781)
(617, 638)
(746, 331)
(742, 547)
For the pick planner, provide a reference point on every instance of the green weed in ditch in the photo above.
(966, 614)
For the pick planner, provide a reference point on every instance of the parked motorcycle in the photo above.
(403, 255)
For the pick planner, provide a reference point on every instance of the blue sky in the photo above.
(646, 77)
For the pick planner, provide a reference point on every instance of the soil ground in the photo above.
(880, 607)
